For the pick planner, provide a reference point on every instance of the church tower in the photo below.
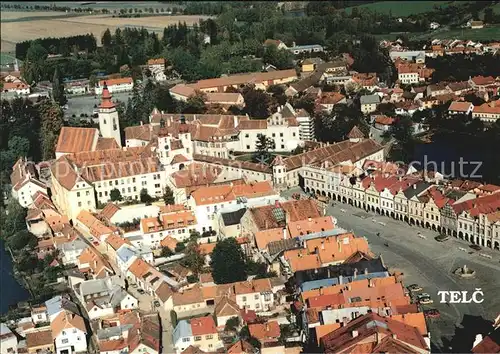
(109, 126)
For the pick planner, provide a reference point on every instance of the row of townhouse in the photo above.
(405, 195)
(488, 112)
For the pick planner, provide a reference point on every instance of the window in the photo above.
(65, 340)
(74, 330)
(244, 298)
(197, 338)
(157, 185)
(63, 333)
(79, 204)
(256, 297)
(186, 340)
(77, 194)
(209, 336)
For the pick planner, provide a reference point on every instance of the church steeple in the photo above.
(106, 101)
(109, 124)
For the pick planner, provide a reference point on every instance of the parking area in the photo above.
(78, 105)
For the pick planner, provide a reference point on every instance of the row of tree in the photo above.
(27, 130)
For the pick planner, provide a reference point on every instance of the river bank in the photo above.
(12, 291)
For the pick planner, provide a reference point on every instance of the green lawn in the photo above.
(401, 8)
(487, 33)
(6, 59)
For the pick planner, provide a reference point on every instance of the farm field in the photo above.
(401, 8)
(14, 32)
(15, 15)
(111, 5)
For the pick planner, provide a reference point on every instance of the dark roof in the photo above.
(233, 217)
(490, 344)
(334, 271)
(276, 247)
(309, 81)
(416, 189)
(355, 133)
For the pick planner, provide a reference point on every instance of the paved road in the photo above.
(428, 263)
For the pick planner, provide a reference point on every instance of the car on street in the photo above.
(140, 291)
(157, 303)
(414, 287)
(475, 247)
(134, 286)
(95, 243)
(432, 313)
(91, 239)
(419, 296)
(425, 300)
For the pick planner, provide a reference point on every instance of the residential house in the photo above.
(70, 251)
(230, 223)
(265, 333)
(369, 103)
(310, 64)
(309, 48)
(40, 340)
(383, 123)
(458, 107)
(69, 333)
(488, 112)
(200, 332)
(8, 340)
(18, 88)
(25, 182)
(115, 85)
(276, 42)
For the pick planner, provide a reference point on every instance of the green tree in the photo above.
(14, 219)
(106, 39)
(256, 102)
(22, 239)
(166, 252)
(19, 146)
(232, 324)
(281, 59)
(58, 89)
(92, 80)
(228, 262)
(115, 195)
(193, 258)
(195, 104)
(145, 197)
(52, 121)
(262, 147)
(168, 196)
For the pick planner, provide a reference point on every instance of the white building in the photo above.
(70, 251)
(178, 225)
(369, 103)
(18, 88)
(284, 132)
(25, 183)
(200, 332)
(124, 84)
(8, 340)
(69, 333)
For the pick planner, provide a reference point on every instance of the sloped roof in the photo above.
(72, 139)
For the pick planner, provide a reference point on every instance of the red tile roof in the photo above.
(203, 325)
(73, 139)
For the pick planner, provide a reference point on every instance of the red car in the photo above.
(95, 243)
(432, 313)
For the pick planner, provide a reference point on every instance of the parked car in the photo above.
(414, 287)
(95, 243)
(425, 300)
(91, 239)
(419, 296)
(475, 247)
(140, 291)
(432, 313)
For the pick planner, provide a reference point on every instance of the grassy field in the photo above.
(6, 59)
(402, 8)
(16, 15)
(14, 32)
(487, 33)
(105, 4)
